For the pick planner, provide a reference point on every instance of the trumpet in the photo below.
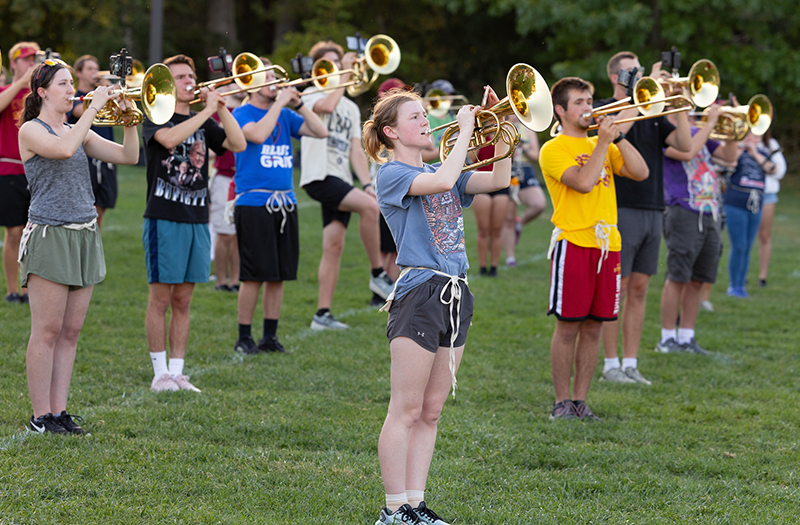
(438, 103)
(157, 95)
(528, 98)
(648, 98)
(736, 121)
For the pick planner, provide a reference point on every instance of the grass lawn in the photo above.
(293, 439)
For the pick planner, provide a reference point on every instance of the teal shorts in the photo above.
(70, 257)
(176, 252)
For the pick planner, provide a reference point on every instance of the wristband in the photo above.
(367, 185)
(96, 111)
(300, 105)
(619, 139)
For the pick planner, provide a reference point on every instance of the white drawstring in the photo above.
(26, 233)
(455, 322)
(280, 201)
(602, 231)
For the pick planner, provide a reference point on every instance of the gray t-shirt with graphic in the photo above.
(428, 229)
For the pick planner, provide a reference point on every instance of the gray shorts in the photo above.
(641, 240)
(691, 254)
(421, 316)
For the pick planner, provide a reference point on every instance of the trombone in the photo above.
(250, 74)
(438, 103)
(736, 121)
(157, 95)
(528, 98)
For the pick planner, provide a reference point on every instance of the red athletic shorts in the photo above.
(577, 291)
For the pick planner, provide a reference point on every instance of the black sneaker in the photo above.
(271, 344)
(67, 421)
(427, 517)
(564, 410)
(24, 299)
(246, 345)
(46, 424)
(222, 288)
(584, 412)
(13, 298)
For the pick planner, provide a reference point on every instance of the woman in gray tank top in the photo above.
(61, 255)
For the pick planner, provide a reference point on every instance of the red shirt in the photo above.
(9, 134)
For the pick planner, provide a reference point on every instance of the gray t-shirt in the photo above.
(428, 229)
(61, 191)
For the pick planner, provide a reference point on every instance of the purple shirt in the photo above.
(692, 184)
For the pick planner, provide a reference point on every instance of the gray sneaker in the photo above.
(616, 375)
(707, 306)
(636, 376)
(382, 285)
(693, 348)
(670, 346)
(327, 322)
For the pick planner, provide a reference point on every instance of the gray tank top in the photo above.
(61, 192)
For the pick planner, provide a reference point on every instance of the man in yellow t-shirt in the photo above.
(585, 268)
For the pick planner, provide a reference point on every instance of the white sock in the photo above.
(415, 497)
(666, 335)
(609, 363)
(629, 362)
(175, 366)
(159, 360)
(685, 335)
(395, 501)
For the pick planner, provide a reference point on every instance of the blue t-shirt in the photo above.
(749, 178)
(428, 229)
(266, 166)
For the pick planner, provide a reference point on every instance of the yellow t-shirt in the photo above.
(577, 213)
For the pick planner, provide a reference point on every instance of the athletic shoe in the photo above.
(164, 383)
(381, 285)
(66, 420)
(511, 262)
(222, 288)
(492, 271)
(24, 299)
(584, 412)
(670, 346)
(405, 515)
(46, 424)
(376, 301)
(327, 322)
(693, 348)
(271, 344)
(246, 345)
(563, 410)
(707, 306)
(762, 283)
(234, 288)
(427, 516)
(13, 298)
(183, 383)
(636, 376)
(737, 291)
(616, 375)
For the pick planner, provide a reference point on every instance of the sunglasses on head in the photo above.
(45, 66)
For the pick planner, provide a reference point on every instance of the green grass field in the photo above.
(293, 439)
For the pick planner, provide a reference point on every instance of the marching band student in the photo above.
(431, 306)
(62, 253)
(266, 205)
(585, 245)
(175, 234)
(14, 195)
(641, 211)
(326, 177)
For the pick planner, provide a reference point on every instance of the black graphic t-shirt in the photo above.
(177, 179)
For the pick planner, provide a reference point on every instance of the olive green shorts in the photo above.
(64, 256)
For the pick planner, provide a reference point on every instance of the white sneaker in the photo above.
(183, 383)
(616, 375)
(327, 322)
(636, 376)
(164, 383)
(382, 285)
(405, 515)
(427, 517)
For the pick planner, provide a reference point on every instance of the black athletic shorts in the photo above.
(266, 254)
(15, 199)
(421, 316)
(104, 183)
(387, 241)
(330, 193)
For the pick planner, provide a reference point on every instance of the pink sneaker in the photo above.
(184, 384)
(164, 383)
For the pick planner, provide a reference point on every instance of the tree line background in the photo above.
(755, 43)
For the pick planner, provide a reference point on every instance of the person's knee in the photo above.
(180, 302)
(407, 415)
(370, 211)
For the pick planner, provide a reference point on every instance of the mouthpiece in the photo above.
(586, 115)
